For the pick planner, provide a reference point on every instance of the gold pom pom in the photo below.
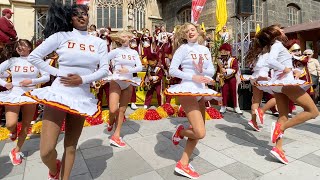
(4, 133)
(105, 116)
(86, 124)
(162, 112)
(138, 114)
(36, 128)
(207, 117)
(176, 111)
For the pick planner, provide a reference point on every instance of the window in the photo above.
(139, 14)
(184, 15)
(293, 14)
(257, 17)
(109, 13)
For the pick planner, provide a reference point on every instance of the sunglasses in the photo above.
(296, 50)
(79, 13)
(307, 54)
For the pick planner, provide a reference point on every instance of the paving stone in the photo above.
(8, 170)
(121, 165)
(241, 171)
(102, 150)
(153, 175)
(294, 170)
(311, 159)
(18, 177)
(298, 149)
(85, 176)
(212, 156)
(310, 131)
(157, 150)
(154, 127)
(219, 140)
(216, 174)
(201, 166)
(79, 166)
(254, 156)
(259, 138)
(35, 170)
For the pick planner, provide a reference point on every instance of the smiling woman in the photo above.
(79, 56)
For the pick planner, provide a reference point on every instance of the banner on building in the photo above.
(197, 6)
(84, 2)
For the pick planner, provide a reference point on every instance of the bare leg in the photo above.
(51, 124)
(303, 99)
(282, 103)
(27, 116)
(114, 96)
(74, 125)
(12, 114)
(256, 100)
(124, 100)
(194, 112)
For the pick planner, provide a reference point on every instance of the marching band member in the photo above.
(284, 86)
(228, 74)
(196, 70)
(69, 97)
(126, 62)
(153, 80)
(146, 41)
(24, 78)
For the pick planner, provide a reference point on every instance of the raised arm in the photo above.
(177, 59)
(3, 67)
(36, 57)
(273, 56)
(208, 70)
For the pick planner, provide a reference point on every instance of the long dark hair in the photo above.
(59, 18)
(263, 41)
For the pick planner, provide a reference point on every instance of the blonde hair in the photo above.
(180, 36)
(116, 37)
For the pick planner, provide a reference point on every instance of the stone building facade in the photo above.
(140, 14)
(266, 12)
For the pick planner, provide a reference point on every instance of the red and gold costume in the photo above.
(146, 43)
(229, 89)
(153, 78)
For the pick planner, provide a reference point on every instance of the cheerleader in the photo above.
(24, 78)
(69, 97)
(260, 72)
(126, 61)
(284, 86)
(197, 68)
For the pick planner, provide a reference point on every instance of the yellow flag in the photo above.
(221, 14)
(203, 27)
(257, 28)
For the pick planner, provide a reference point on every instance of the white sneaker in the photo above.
(289, 115)
(223, 109)
(134, 106)
(237, 110)
(145, 107)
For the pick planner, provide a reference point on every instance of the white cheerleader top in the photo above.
(125, 57)
(79, 53)
(279, 57)
(21, 69)
(185, 55)
(261, 68)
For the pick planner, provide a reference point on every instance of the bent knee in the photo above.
(45, 154)
(315, 113)
(200, 134)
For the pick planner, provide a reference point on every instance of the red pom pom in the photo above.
(213, 113)
(94, 121)
(19, 127)
(181, 112)
(168, 108)
(63, 127)
(152, 115)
